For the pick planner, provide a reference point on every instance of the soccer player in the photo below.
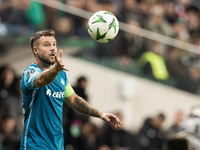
(45, 87)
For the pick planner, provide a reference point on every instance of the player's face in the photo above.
(46, 49)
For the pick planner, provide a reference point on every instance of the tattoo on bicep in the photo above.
(83, 107)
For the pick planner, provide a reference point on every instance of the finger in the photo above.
(106, 119)
(63, 67)
(66, 69)
(61, 53)
(116, 121)
(116, 124)
(56, 59)
(119, 124)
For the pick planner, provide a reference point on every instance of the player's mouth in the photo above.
(52, 55)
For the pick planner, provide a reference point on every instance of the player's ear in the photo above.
(35, 50)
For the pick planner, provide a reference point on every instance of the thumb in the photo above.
(61, 53)
(105, 116)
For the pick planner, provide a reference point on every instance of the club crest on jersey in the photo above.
(55, 94)
(30, 72)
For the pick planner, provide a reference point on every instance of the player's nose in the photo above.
(53, 48)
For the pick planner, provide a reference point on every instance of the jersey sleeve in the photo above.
(29, 76)
(68, 90)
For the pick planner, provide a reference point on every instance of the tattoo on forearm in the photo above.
(45, 78)
(83, 107)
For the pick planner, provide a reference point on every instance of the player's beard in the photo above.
(47, 60)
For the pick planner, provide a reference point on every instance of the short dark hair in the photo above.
(39, 34)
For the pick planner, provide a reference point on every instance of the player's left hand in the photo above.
(111, 118)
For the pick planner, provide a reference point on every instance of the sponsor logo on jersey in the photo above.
(48, 92)
(55, 94)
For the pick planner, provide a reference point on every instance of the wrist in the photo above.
(55, 70)
(103, 115)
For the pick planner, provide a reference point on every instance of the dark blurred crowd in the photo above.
(11, 114)
(178, 19)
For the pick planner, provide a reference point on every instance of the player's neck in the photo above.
(43, 66)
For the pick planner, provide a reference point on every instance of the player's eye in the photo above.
(46, 44)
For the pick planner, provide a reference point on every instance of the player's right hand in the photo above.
(58, 62)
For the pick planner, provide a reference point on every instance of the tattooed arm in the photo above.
(79, 104)
(46, 77)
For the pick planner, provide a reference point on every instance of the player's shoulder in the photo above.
(63, 72)
(63, 76)
(31, 69)
(31, 66)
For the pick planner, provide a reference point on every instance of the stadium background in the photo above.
(116, 82)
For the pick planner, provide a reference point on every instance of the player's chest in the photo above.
(56, 89)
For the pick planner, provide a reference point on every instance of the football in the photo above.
(103, 26)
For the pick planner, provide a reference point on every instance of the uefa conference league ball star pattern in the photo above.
(103, 26)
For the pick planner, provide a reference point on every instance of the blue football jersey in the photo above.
(43, 111)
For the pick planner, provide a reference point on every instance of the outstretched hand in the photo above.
(111, 118)
(58, 62)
